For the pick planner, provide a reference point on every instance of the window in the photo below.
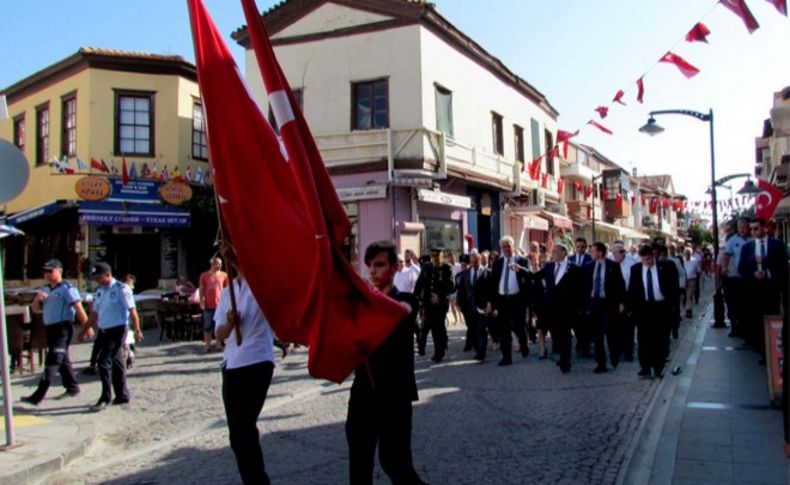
(19, 132)
(549, 156)
(42, 134)
(518, 137)
(535, 129)
(370, 105)
(444, 110)
(299, 101)
(442, 233)
(199, 143)
(496, 133)
(134, 123)
(68, 143)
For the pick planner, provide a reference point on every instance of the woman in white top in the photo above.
(693, 270)
(247, 370)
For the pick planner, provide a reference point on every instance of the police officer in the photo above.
(61, 302)
(112, 309)
(433, 289)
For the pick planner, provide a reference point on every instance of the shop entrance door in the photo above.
(138, 254)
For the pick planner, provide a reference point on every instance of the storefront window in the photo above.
(442, 233)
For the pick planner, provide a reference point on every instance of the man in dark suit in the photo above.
(652, 293)
(581, 324)
(508, 299)
(763, 266)
(465, 282)
(604, 290)
(581, 257)
(380, 407)
(433, 289)
(562, 301)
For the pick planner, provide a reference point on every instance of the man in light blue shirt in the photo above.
(734, 289)
(112, 309)
(60, 303)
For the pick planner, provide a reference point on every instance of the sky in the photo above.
(577, 52)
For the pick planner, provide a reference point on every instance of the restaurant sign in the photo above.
(175, 193)
(93, 188)
(146, 191)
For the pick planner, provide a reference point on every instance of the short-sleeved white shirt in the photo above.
(257, 337)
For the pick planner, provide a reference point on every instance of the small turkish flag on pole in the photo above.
(698, 33)
(767, 200)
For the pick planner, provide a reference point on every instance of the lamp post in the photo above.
(652, 128)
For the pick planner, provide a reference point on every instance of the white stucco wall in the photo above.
(329, 17)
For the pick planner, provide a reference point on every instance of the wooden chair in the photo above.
(149, 309)
(15, 334)
(38, 337)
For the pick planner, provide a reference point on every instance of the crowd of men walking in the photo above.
(602, 297)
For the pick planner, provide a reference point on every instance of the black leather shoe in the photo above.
(525, 351)
(565, 368)
(30, 400)
(98, 407)
(505, 362)
(118, 402)
(600, 369)
(68, 394)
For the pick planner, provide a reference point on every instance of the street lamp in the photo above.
(652, 128)
(749, 188)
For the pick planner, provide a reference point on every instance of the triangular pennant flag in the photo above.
(687, 69)
(640, 89)
(739, 8)
(560, 185)
(781, 6)
(175, 174)
(600, 127)
(124, 172)
(133, 171)
(603, 111)
(145, 172)
(698, 33)
(154, 171)
(97, 165)
(67, 165)
(81, 165)
(208, 177)
(165, 175)
(618, 98)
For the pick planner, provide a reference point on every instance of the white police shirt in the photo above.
(58, 307)
(257, 343)
(113, 304)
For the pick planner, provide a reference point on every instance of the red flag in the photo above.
(640, 89)
(602, 111)
(604, 194)
(588, 192)
(560, 185)
(767, 200)
(544, 180)
(781, 6)
(600, 127)
(698, 33)
(687, 69)
(99, 165)
(534, 168)
(618, 98)
(619, 200)
(124, 172)
(643, 202)
(316, 299)
(563, 137)
(554, 152)
(739, 8)
(579, 186)
(653, 206)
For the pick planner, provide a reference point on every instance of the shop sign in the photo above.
(135, 190)
(362, 193)
(443, 198)
(175, 193)
(536, 223)
(142, 220)
(93, 188)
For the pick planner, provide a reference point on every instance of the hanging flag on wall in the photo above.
(767, 200)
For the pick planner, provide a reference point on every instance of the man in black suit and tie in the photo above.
(763, 266)
(562, 301)
(508, 299)
(605, 292)
(652, 292)
(433, 289)
(465, 282)
(581, 324)
(581, 257)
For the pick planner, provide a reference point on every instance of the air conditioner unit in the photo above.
(537, 198)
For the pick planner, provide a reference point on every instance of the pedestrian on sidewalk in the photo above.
(604, 294)
(433, 289)
(211, 285)
(763, 266)
(509, 297)
(61, 303)
(112, 310)
(623, 324)
(734, 289)
(581, 324)
(380, 405)
(465, 286)
(663, 254)
(651, 291)
(246, 371)
(693, 274)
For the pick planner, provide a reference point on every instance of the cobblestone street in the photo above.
(473, 424)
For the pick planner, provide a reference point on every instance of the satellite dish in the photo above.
(14, 172)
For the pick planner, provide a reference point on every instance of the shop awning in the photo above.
(557, 219)
(6, 231)
(633, 233)
(536, 223)
(130, 214)
(605, 227)
(36, 212)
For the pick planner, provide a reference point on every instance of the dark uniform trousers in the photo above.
(512, 319)
(654, 321)
(471, 317)
(59, 337)
(621, 340)
(434, 323)
(764, 299)
(734, 295)
(112, 368)
(243, 392)
(601, 327)
(376, 419)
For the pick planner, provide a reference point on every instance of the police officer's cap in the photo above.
(52, 264)
(100, 269)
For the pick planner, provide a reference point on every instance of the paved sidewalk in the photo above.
(714, 423)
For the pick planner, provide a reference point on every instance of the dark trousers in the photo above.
(511, 319)
(384, 421)
(472, 326)
(621, 337)
(94, 353)
(485, 324)
(736, 296)
(581, 330)
(654, 322)
(764, 299)
(434, 323)
(112, 368)
(243, 393)
(598, 326)
(58, 340)
(561, 340)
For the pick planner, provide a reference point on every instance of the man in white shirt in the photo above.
(247, 369)
(734, 289)
(406, 277)
(692, 267)
(623, 322)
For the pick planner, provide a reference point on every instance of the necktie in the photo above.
(557, 267)
(507, 276)
(597, 280)
(762, 249)
(474, 277)
(651, 296)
